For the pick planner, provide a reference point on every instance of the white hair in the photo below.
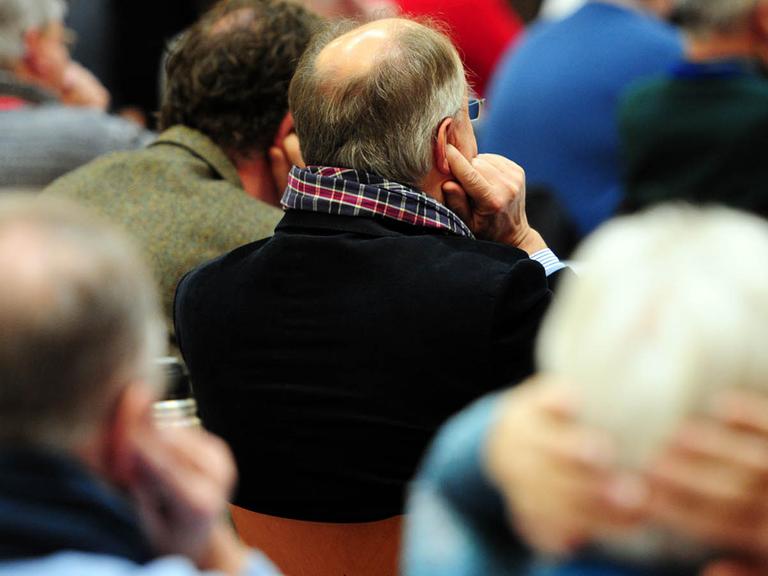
(18, 17)
(671, 308)
(706, 16)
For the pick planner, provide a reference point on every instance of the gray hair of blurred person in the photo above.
(79, 321)
(386, 120)
(18, 17)
(669, 310)
(708, 16)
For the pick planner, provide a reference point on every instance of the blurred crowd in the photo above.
(447, 287)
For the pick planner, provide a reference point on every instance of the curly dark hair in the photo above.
(228, 75)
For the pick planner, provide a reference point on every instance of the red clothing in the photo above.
(11, 103)
(481, 29)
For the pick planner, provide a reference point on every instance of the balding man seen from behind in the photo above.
(402, 282)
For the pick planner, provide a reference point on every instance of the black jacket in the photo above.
(329, 354)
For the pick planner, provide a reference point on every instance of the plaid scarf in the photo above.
(348, 192)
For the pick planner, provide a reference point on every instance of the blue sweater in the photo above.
(553, 101)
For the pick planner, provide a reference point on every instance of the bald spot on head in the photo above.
(354, 54)
(31, 264)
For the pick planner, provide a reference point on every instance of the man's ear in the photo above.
(284, 153)
(444, 137)
(130, 424)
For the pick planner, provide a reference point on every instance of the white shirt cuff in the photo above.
(548, 259)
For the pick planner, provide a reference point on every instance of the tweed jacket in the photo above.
(181, 198)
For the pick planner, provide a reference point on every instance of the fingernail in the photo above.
(628, 491)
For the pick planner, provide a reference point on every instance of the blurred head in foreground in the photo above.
(671, 308)
(79, 331)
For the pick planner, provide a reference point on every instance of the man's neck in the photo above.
(432, 186)
(659, 8)
(718, 47)
(256, 176)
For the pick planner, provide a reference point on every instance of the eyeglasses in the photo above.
(474, 107)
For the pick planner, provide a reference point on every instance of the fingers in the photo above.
(489, 195)
(191, 466)
(183, 481)
(471, 181)
(557, 475)
(745, 410)
(710, 482)
(82, 88)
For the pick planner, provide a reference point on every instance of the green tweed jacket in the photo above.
(181, 198)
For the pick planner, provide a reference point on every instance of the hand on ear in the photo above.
(81, 88)
(284, 153)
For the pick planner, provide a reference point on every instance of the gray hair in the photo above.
(79, 320)
(707, 16)
(386, 121)
(670, 309)
(19, 16)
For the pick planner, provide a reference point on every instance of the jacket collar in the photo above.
(204, 148)
(10, 85)
(298, 220)
(350, 192)
(50, 503)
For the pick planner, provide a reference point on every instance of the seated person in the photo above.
(210, 182)
(663, 324)
(555, 95)
(700, 133)
(52, 111)
(88, 484)
(403, 282)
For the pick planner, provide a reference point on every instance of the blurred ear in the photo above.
(130, 424)
(445, 136)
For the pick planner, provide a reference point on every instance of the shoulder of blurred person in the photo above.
(88, 482)
(561, 83)
(695, 134)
